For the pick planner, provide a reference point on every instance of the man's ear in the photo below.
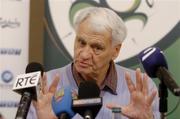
(115, 51)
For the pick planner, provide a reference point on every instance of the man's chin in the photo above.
(82, 70)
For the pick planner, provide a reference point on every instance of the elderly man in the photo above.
(99, 36)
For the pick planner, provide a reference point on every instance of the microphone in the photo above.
(28, 85)
(62, 104)
(35, 66)
(88, 103)
(155, 65)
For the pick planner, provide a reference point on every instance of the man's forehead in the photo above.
(90, 39)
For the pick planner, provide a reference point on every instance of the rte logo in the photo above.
(26, 80)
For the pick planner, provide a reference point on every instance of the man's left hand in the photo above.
(140, 106)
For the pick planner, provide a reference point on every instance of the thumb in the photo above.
(112, 105)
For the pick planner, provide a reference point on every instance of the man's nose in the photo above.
(86, 52)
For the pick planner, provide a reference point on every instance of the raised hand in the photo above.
(43, 104)
(140, 106)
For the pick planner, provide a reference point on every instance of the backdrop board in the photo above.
(149, 23)
(14, 35)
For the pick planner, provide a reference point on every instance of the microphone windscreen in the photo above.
(152, 58)
(62, 102)
(33, 67)
(88, 89)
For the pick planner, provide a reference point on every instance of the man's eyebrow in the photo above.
(80, 38)
(98, 44)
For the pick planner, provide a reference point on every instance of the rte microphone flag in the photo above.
(28, 85)
(27, 81)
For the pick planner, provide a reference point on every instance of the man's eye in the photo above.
(81, 42)
(98, 49)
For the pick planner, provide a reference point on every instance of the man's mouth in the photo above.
(83, 64)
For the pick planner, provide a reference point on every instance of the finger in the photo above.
(44, 84)
(34, 103)
(125, 110)
(130, 84)
(112, 105)
(37, 102)
(138, 80)
(145, 84)
(151, 97)
(114, 108)
(54, 84)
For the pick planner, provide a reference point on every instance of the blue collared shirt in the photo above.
(122, 98)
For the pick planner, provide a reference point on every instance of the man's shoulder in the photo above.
(61, 69)
(120, 68)
(64, 73)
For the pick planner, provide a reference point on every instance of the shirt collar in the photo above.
(110, 82)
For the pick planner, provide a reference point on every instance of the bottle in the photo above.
(116, 113)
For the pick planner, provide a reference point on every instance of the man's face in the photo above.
(93, 50)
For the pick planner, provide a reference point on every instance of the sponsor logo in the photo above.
(16, 0)
(7, 76)
(6, 86)
(27, 80)
(59, 94)
(9, 23)
(10, 51)
(8, 104)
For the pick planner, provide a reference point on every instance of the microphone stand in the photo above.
(163, 94)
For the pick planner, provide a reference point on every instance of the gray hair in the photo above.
(101, 19)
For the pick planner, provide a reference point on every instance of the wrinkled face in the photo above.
(93, 50)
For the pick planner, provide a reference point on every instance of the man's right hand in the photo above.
(43, 103)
